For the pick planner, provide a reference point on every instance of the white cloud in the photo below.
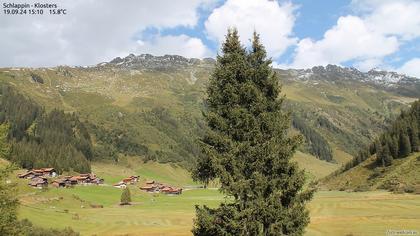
(91, 32)
(380, 29)
(368, 64)
(273, 21)
(179, 45)
(411, 67)
(350, 39)
(401, 18)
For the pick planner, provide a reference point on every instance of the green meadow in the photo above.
(332, 212)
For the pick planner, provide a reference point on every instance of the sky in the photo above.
(365, 34)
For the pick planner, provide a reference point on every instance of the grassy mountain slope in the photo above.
(402, 175)
(153, 109)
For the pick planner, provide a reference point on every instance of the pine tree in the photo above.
(249, 149)
(125, 197)
(414, 135)
(404, 145)
(393, 146)
(8, 200)
(203, 172)
(4, 145)
(384, 155)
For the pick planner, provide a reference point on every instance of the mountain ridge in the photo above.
(147, 105)
(388, 80)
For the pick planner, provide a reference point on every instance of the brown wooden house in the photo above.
(39, 182)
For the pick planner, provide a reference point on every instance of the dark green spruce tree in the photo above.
(404, 144)
(249, 150)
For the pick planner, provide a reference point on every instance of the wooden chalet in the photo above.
(149, 188)
(150, 182)
(28, 175)
(47, 172)
(59, 183)
(66, 181)
(171, 190)
(120, 185)
(86, 179)
(153, 186)
(43, 172)
(131, 180)
(38, 182)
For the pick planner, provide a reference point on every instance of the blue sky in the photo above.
(365, 34)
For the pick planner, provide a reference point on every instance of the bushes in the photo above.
(409, 189)
(125, 197)
(28, 229)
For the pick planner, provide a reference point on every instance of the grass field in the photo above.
(332, 212)
(150, 214)
(363, 213)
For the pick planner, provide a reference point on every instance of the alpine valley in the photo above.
(142, 114)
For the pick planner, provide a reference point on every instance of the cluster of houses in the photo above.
(155, 187)
(82, 179)
(39, 178)
(126, 181)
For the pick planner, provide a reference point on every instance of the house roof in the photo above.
(36, 181)
(41, 170)
(25, 174)
(146, 187)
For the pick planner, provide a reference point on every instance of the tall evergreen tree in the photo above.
(8, 204)
(383, 155)
(393, 146)
(4, 145)
(248, 148)
(413, 133)
(404, 145)
(8, 200)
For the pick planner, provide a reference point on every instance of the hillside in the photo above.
(402, 176)
(151, 106)
(390, 162)
(38, 138)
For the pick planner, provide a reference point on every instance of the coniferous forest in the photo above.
(398, 141)
(44, 139)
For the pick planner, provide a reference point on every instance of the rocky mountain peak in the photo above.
(148, 61)
(334, 72)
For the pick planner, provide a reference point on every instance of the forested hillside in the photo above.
(400, 139)
(43, 139)
(390, 162)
